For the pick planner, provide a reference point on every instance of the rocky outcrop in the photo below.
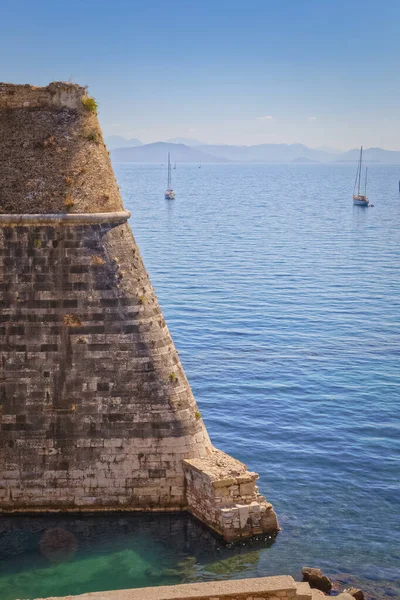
(355, 592)
(317, 579)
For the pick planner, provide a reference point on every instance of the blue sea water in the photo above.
(283, 300)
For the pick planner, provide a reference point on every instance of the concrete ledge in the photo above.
(261, 588)
(64, 218)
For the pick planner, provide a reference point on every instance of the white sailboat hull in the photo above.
(360, 201)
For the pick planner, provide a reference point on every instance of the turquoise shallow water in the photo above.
(284, 303)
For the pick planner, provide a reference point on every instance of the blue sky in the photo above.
(324, 72)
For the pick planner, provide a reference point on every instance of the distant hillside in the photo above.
(158, 152)
(371, 155)
(117, 141)
(135, 151)
(268, 153)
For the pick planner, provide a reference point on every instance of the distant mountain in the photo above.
(117, 141)
(158, 152)
(371, 155)
(267, 152)
(185, 141)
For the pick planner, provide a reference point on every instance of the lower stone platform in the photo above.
(222, 493)
(282, 587)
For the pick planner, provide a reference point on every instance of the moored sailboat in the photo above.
(360, 199)
(169, 194)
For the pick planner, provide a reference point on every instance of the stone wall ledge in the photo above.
(261, 588)
(89, 508)
(58, 94)
(64, 218)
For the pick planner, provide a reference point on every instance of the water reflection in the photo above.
(60, 555)
(58, 545)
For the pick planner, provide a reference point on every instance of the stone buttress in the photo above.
(96, 412)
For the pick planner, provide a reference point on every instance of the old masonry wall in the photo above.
(96, 412)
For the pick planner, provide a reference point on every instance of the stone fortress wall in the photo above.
(96, 412)
(53, 158)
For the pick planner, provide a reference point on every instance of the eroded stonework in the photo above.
(96, 409)
(96, 412)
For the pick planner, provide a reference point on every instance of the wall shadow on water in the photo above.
(71, 554)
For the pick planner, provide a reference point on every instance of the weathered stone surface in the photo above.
(344, 596)
(52, 157)
(262, 588)
(96, 412)
(316, 579)
(89, 413)
(215, 496)
(304, 592)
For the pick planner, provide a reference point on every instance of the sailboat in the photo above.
(169, 194)
(360, 199)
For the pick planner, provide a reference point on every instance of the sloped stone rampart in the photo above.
(52, 154)
(96, 412)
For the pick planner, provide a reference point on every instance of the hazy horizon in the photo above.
(310, 72)
(324, 147)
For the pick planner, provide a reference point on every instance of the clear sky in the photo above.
(319, 72)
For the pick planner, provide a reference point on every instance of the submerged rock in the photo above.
(317, 579)
(355, 592)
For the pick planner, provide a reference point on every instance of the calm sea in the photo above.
(284, 303)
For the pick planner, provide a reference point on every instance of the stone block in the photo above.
(246, 489)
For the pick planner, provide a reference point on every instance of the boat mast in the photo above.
(359, 172)
(169, 172)
(365, 185)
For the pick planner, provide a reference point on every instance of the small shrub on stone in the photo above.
(173, 377)
(197, 414)
(37, 244)
(142, 300)
(97, 261)
(72, 321)
(69, 203)
(92, 136)
(90, 104)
